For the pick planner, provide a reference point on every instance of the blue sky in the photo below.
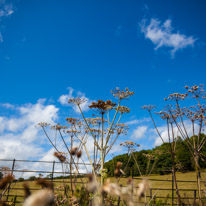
(153, 47)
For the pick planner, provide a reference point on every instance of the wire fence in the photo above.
(26, 170)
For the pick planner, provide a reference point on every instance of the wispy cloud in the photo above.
(139, 132)
(63, 99)
(137, 121)
(163, 35)
(6, 9)
(7, 105)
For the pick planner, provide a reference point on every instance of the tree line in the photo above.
(157, 160)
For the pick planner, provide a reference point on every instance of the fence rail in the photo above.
(12, 191)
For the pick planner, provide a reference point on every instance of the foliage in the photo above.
(32, 178)
(183, 159)
(21, 179)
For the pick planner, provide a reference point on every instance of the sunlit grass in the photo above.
(157, 186)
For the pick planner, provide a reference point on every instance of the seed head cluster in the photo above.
(117, 93)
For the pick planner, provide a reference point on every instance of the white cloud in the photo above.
(6, 9)
(63, 99)
(137, 121)
(139, 132)
(7, 105)
(164, 132)
(2, 124)
(163, 35)
(19, 136)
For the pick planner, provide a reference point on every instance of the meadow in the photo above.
(161, 186)
(178, 153)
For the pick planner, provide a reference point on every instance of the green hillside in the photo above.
(157, 160)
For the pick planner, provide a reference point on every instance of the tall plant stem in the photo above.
(90, 160)
(173, 165)
(136, 163)
(85, 121)
(102, 151)
(198, 176)
(70, 165)
(108, 135)
(156, 127)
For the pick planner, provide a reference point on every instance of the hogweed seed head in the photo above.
(73, 151)
(6, 180)
(77, 101)
(60, 156)
(79, 154)
(122, 94)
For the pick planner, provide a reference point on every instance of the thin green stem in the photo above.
(108, 134)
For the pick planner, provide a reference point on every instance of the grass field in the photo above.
(157, 182)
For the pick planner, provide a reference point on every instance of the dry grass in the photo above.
(157, 185)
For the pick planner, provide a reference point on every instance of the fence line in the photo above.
(14, 198)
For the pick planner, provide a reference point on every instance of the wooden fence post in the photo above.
(12, 171)
(195, 196)
(15, 199)
(52, 177)
(172, 189)
(150, 193)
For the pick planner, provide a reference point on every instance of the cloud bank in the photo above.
(19, 134)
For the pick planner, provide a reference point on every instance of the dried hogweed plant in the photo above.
(104, 135)
(183, 119)
(104, 131)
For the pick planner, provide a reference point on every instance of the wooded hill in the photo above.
(158, 160)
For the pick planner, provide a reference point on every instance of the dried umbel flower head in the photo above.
(73, 150)
(72, 132)
(60, 156)
(102, 106)
(123, 109)
(92, 185)
(43, 124)
(119, 164)
(6, 180)
(164, 115)
(176, 97)
(117, 171)
(43, 197)
(111, 188)
(149, 156)
(196, 91)
(121, 94)
(96, 121)
(77, 100)
(72, 121)
(142, 187)
(129, 144)
(58, 127)
(79, 154)
(149, 108)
